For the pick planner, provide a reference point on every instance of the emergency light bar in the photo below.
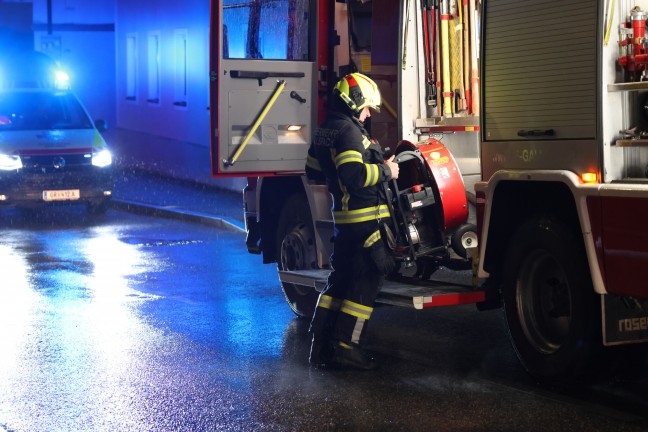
(53, 78)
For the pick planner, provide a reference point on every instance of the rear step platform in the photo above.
(406, 292)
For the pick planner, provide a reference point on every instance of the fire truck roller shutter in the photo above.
(533, 79)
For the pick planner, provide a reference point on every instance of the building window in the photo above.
(266, 29)
(154, 68)
(131, 66)
(181, 78)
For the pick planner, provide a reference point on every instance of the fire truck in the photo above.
(521, 130)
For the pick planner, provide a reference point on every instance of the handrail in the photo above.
(260, 76)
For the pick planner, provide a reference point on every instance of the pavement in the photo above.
(153, 194)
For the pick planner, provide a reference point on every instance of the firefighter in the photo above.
(354, 170)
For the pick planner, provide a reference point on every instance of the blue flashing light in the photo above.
(61, 80)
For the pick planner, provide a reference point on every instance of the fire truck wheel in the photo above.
(296, 251)
(549, 302)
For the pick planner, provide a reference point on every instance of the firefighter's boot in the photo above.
(321, 328)
(322, 349)
(351, 356)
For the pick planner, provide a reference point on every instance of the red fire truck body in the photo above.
(519, 128)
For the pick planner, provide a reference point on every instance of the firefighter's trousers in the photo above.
(346, 304)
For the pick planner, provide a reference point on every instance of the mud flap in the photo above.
(625, 320)
(253, 238)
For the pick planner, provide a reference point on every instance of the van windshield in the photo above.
(41, 111)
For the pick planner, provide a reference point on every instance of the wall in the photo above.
(176, 137)
(16, 25)
(81, 37)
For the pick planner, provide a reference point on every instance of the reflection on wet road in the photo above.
(114, 326)
(133, 323)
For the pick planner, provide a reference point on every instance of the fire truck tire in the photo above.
(296, 251)
(549, 303)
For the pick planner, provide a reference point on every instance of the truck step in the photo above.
(405, 292)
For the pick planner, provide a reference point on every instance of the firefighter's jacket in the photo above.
(354, 169)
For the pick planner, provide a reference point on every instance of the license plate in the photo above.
(61, 195)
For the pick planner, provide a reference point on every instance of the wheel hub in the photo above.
(297, 250)
(543, 302)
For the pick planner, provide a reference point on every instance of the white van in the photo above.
(51, 152)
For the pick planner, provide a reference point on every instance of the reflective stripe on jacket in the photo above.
(354, 168)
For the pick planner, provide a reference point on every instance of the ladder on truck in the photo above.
(406, 292)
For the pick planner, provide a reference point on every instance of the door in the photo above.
(263, 85)
(540, 94)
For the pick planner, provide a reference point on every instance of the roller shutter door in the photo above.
(540, 68)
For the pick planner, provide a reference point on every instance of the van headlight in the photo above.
(101, 158)
(10, 162)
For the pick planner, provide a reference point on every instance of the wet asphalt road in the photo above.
(135, 323)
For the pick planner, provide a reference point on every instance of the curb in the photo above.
(180, 214)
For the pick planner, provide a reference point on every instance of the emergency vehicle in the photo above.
(542, 102)
(51, 152)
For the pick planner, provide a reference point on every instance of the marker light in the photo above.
(61, 80)
(10, 162)
(294, 127)
(589, 177)
(101, 158)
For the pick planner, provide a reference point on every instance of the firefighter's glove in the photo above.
(381, 258)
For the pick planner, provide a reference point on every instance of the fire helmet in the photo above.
(358, 91)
